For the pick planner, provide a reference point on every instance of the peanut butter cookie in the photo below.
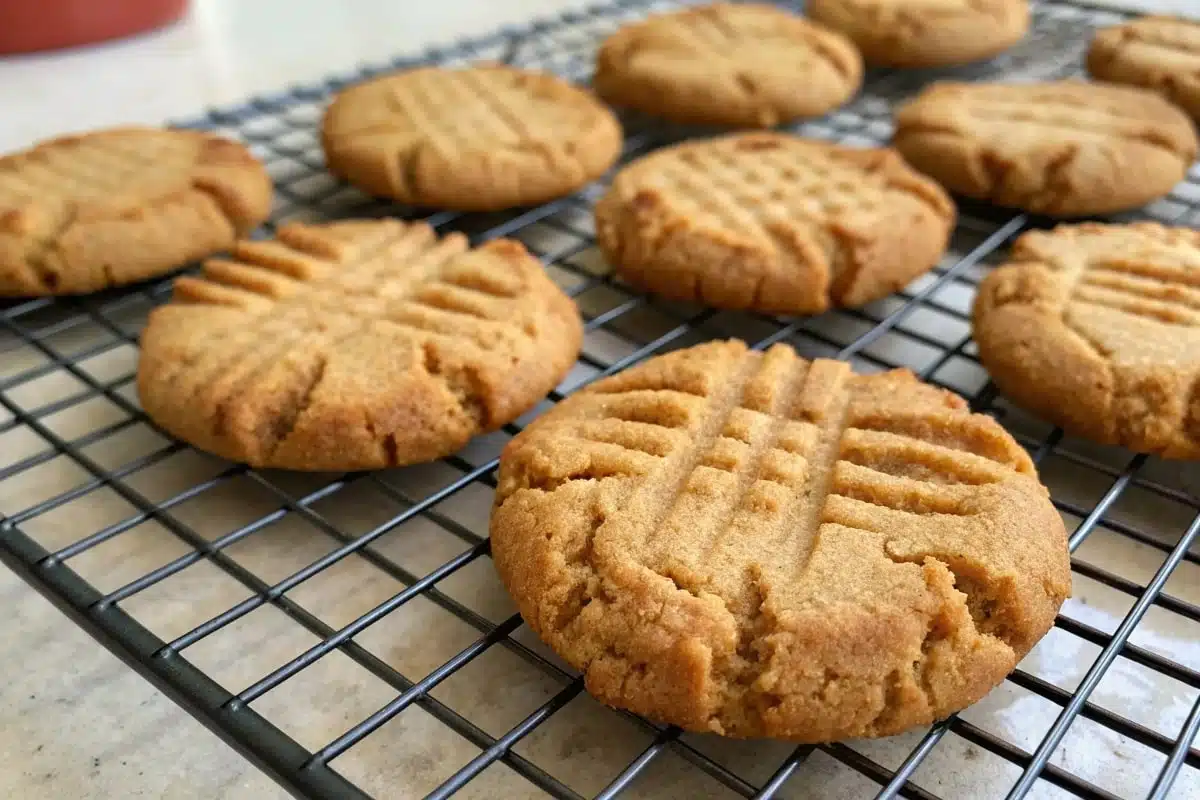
(925, 33)
(772, 222)
(1159, 53)
(355, 345)
(1064, 149)
(1097, 329)
(95, 210)
(753, 544)
(741, 65)
(477, 139)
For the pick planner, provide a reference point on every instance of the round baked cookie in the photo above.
(482, 138)
(1064, 149)
(772, 222)
(1159, 53)
(1096, 328)
(753, 544)
(925, 33)
(89, 211)
(740, 65)
(355, 345)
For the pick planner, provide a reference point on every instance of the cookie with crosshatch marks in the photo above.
(1063, 148)
(925, 33)
(481, 138)
(758, 545)
(1097, 329)
(94, 210)
(1156, 52)
(772, 222)
(745, 65)
(355, 345)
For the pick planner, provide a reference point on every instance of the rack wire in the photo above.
(346, 632)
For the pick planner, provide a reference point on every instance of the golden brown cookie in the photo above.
(1097, 329)
(1159, 53)
(744, 65)
(85, 212)
(757, 545)
(772, 222)
(477, 139)
(355, 345)
(925, 33)
(1065, 148)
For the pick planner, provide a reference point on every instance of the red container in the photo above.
(29, 25)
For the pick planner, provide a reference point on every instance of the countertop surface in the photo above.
(74, 722)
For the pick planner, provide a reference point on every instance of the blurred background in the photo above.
(220, 51)
(205, 52)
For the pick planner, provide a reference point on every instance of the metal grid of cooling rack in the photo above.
(1072, 720)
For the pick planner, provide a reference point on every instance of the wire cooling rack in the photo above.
(348, 634)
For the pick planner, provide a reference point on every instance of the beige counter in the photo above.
(77, 723)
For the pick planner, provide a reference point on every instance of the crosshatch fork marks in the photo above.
(772, 434)
(276, 284)
(1116, 310)
(825, 402)
(1145, 271)
(355, 345)
(86, 212)
(670, 488)
(1163, 293)
(481, 138)
(683, 573)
